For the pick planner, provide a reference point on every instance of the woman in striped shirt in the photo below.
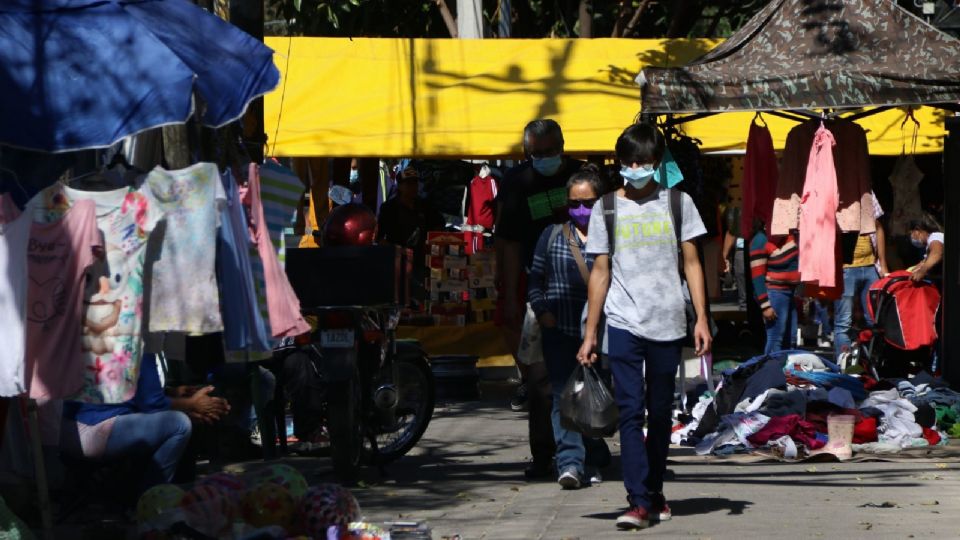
(557, 292)
(775, 271)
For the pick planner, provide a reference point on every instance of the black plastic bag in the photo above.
(587, 406)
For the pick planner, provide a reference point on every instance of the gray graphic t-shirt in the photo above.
(645, 297)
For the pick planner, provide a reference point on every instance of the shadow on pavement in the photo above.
(707, 505)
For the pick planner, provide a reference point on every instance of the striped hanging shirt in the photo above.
(773, 265)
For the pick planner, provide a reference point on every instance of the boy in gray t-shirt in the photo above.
(640, 293)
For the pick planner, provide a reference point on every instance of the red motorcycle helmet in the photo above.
(350, 225)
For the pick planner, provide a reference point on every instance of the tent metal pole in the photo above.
(787, 116)
(676, 121)
(863, 114)
(950, 314)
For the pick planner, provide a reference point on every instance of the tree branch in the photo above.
(585, 14)
(447, 18)
(635, 20)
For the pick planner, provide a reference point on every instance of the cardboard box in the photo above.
(482, 282)
(450, 285)
(454, 262)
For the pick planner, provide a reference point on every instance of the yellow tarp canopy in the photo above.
(471, 98)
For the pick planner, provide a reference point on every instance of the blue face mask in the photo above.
(637, 178)
(547, 166)
(916, 242)
(354, 175)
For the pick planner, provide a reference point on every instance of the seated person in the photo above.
(926, 234)
(152, 425)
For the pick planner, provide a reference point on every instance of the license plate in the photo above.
(336, 339)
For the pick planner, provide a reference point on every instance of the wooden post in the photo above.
(949, 337)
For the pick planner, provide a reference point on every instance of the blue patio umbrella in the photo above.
(78, 74)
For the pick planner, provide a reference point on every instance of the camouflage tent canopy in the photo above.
(814, 54)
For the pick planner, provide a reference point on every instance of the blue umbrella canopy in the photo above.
(78, 74)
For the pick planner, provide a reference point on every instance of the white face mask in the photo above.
(637, 177)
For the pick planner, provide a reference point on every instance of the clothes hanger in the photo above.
(13, 176)
(759, 116)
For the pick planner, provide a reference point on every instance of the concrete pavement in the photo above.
(465, 478)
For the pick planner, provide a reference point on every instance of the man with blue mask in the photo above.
(532, 197)
(635, 281)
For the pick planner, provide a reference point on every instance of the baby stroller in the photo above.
(905, 325)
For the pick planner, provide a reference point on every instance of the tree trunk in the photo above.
(686, 15)
(586, 18)
(176, 146)
(447, 18)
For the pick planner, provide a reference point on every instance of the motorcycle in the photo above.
(373, 394)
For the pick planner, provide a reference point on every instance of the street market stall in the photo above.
(824, 65)
(88, 298)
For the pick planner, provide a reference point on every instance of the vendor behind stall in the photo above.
(926, 234)
(150, 426)
(405, 221)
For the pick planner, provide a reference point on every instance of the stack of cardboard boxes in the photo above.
(461, 287)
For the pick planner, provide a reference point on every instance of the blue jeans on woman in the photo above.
(644, 375)
(160, 437)
(573, 449)
(782, 331)
(856, 284)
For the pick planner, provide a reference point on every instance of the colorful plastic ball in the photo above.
(210, 509)
(231, 483)
(326, 505)
(268, 504)
(156, 501)
(286, 476)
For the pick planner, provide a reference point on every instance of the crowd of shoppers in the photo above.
(618, 267)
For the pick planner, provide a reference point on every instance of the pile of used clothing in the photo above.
(783, 402)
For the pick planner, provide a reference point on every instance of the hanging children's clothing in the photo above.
(244, 327)
(14, 237)
(282, 303)
(112, 342)
(760, 176)
(59, 253)
(184, 295)
(480, 213)
(905, 180)
(281, 192)
(852, 165)
(818, 213)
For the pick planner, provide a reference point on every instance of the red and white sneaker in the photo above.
(635, 518)
(659, 509)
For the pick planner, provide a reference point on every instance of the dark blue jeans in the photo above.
(160, 436)
(856, 285)
(573, 449)
(782, 332)
(644, 378)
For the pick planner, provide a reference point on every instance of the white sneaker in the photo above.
(595, 477)
(569, 479)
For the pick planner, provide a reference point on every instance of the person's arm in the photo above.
(537, 282)
(882, 249)
(728, 241)
(596, 296)
(934, 257)
(693, 270)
